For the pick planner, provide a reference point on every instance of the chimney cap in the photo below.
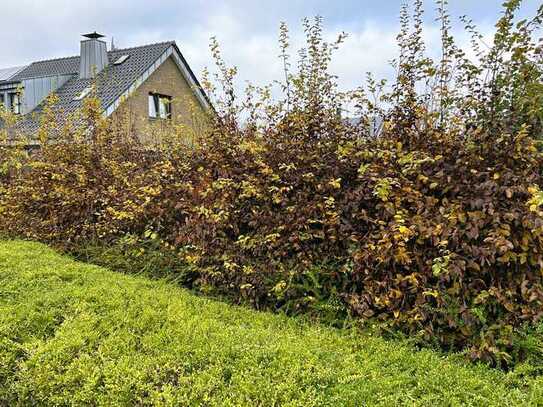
(93, 36)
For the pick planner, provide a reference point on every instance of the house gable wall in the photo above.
(187, 112)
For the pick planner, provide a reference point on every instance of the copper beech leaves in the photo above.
(452, 257)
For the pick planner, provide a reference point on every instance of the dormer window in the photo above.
(160, 106)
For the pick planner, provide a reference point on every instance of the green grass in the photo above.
(78, 334)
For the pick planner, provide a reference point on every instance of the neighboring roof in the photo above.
(112, 83)
(8, 73)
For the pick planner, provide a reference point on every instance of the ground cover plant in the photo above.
(432, 228)
(72, 333)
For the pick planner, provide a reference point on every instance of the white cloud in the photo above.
(247, 32)
(368, 48)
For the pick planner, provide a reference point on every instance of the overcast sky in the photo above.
(38, 29)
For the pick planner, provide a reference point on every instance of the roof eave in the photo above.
(193, 77)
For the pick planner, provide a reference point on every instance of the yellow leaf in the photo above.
(335, 183)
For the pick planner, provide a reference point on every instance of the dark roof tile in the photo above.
(61, 66)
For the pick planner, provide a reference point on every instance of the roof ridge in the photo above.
(111, 50)
(52, 60)
(142, 46)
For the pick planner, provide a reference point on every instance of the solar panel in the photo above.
(7, 73)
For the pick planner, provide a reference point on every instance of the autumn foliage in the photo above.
(433, 227)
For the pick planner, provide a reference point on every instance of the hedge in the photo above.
(433, 228)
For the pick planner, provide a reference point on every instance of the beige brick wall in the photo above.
(188, 116)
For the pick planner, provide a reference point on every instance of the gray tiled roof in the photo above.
(111, 83)
(60, 66)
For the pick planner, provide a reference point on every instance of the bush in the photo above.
(433, 228)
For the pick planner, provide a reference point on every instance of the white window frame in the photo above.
(160, 106)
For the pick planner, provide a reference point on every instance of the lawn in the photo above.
(72, 333)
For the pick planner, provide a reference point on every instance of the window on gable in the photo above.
(160, 106)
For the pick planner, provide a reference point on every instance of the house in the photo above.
(154, 83)
(374, 127)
